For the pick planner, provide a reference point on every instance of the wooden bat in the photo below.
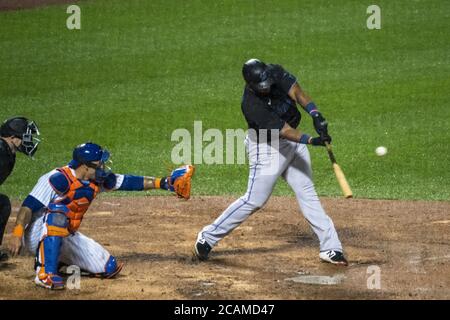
(339, 174)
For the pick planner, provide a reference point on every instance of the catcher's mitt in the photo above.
(180, 181)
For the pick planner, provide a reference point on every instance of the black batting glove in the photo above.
(320, 141)
(316, 141)
(320, 124)
(325, 137)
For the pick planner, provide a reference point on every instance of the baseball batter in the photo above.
(50, 216)
(269, 104)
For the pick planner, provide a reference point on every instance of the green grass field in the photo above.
(138, 70)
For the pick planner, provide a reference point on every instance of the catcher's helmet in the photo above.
(87, 153)
(257, 76)
(24, 129)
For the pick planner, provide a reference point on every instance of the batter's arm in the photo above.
(297, 94)
(290, 133)
(296, 135)
(320, 124)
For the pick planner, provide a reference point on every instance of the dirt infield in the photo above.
(408, 241)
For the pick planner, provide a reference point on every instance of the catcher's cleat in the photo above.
(334, 257)
(202, 249)
(112, 274)
(50, 281)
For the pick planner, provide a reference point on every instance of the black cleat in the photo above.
(334, 257)
(202, 250)
(3, 256)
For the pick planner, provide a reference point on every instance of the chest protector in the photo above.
(78, 199)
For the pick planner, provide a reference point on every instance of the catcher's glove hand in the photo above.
(180, 181)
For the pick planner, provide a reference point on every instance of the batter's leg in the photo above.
(261, 181)
(258, 192)
(299, 176)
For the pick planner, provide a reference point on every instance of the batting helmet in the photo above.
(24, 129)
(256, 76)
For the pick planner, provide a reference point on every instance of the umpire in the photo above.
(16, 134)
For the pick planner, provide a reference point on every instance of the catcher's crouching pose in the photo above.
(56, 206)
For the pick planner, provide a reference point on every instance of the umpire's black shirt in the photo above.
(271, 111)
(7, 160)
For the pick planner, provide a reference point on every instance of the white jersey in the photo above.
(44, 192)
(91, 258)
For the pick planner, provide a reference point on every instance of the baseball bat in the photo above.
(339, 174)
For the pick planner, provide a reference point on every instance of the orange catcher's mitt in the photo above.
(180, 181)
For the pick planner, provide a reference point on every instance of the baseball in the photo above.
(381, 151)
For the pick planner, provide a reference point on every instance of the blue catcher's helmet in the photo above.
(87, 153)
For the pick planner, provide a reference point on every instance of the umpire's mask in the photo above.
(24, 129)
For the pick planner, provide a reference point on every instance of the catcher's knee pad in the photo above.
(57, 225)
(112, 267)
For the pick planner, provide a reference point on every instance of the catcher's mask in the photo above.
(24, 129)
(256, 75)
(93, 156)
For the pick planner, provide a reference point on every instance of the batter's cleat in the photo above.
(334, 257)
(202, 249)
(49, 281)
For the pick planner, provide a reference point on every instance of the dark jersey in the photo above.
(7, 161)
(272, 111)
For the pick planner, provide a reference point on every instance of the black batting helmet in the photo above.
(256, 75)
(24, 129)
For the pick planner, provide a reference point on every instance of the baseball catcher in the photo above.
(51, 215)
